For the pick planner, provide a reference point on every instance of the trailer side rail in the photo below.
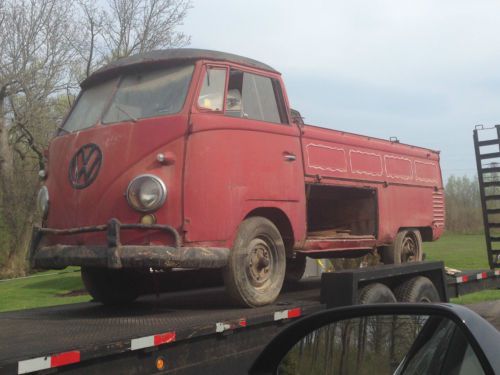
(74, 356)
(472, 281)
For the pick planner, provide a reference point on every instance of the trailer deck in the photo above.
(89, 330)
(189, 331)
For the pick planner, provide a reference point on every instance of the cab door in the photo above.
(242, 154)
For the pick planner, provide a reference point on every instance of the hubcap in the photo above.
(260, 262)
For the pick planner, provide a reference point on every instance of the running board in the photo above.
(339, 244)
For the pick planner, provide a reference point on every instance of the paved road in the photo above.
(489, 310)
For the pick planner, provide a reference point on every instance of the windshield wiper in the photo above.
(121, 109)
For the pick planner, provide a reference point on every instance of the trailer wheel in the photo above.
(111, 287)
(418, 289)
(375, 293)
(407, 247)
(295, 268)
(256, 267)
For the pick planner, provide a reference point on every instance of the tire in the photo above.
(255, 271)
(375, 293)
(111, 287)
(295, 268)
(418, 289)
(407, 247)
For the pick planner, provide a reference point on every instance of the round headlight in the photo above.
(43, 201)
(146, 193)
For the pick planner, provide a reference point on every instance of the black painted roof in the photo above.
(170, 56)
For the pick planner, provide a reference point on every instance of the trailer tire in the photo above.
(407, 247)
(111, 287)
(295, 268)
(375, 293)
(255, 271)
(418, 289)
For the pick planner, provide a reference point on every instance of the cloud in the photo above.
(426, 71)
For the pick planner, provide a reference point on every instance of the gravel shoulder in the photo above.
(489, 310)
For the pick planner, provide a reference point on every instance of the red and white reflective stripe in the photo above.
(288, 314)
(44, 363)
(150, 341)
(462, 279)
(482, 275)
(226, 326)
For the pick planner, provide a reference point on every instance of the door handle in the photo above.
(289, 157)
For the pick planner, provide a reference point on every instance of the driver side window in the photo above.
(212, 92)
(254, 97)
(249, 95)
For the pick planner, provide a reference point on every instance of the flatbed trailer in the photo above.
(192, 331)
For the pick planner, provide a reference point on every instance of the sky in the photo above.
(424, 71)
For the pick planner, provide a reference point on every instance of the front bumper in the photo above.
(115, 255)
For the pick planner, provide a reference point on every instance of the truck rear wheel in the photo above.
(111, 287)
(256, 267)
(375, 293)
(418, 289)
(407, 247)
(295, 268)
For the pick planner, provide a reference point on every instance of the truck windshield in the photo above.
(139, 95)
(89, 107)
(149, 94)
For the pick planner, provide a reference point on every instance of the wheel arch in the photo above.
(279, 218)
(425, 232)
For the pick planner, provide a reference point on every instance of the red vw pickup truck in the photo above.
(193, 159)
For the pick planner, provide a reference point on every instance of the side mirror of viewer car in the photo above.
(385, 339)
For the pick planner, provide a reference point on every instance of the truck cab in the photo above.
(193, 159)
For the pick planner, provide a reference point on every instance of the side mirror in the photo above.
(385, 339)
(296, 117)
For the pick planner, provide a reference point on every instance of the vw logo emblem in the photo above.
(84, 166)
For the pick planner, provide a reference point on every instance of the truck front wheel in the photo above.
(407, 247)
(111, 287)
(256, 267)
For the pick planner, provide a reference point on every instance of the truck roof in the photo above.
(173, 55)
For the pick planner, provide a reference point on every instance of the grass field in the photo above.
(460, 251)
(59, 287)
(42, 289)
(463, 252)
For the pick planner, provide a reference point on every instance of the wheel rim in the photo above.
(410, 250)
(260, 262)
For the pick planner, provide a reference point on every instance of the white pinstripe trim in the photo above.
(361, 171)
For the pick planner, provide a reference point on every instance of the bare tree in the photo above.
(46, 48)
(135, 26)
(127, 27)
(88, 43)
(33, 65)
(34, 58)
